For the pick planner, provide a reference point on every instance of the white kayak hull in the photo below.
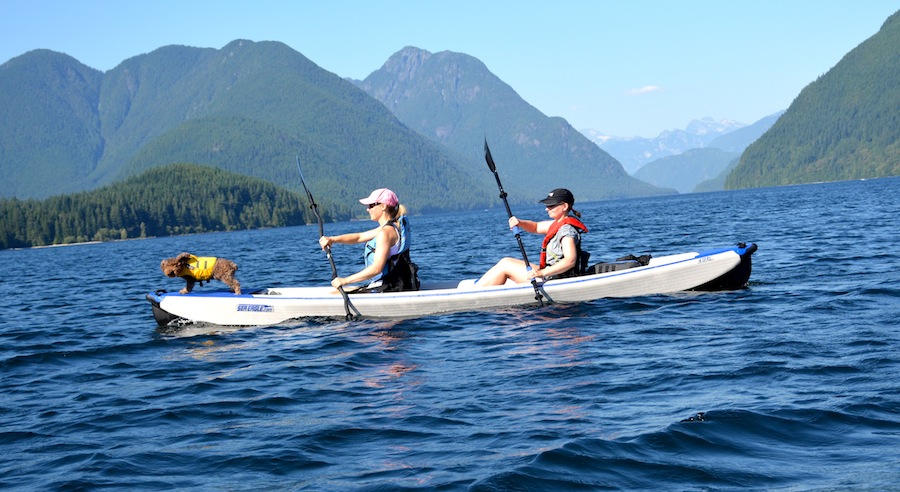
(720, 269)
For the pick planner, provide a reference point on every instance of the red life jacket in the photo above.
(554, 228)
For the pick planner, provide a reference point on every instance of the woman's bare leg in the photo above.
(507, 268)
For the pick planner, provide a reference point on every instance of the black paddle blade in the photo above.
(488, 158)
(312, 203)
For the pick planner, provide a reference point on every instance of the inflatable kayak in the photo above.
(725, 268)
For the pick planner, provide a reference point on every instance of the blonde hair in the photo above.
(396, 210)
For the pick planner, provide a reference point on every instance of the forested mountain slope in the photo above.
(845, 125)
(248, 108)
(454, 99)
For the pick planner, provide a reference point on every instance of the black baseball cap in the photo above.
(559, 195)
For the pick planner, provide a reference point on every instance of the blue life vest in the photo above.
(400, 273)
(401, 224)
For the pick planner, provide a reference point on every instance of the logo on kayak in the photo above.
(256, 308)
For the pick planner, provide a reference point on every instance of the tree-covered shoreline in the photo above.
(172, 200)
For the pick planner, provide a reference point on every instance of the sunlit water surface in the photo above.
(789, 384)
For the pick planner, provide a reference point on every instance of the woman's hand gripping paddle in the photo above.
(314, 207)
(516, 230)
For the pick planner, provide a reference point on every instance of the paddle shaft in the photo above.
(315, 209)
(516, 230)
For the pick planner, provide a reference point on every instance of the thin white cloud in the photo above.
(643, 90)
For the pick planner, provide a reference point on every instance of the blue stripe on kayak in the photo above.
(710, 252)
(222, 293)
(736, 249)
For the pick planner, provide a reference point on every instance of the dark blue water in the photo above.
(796, 377)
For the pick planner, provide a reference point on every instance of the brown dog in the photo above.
(201, 269)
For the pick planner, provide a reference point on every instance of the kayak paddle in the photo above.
(516, 230)
(314, 207)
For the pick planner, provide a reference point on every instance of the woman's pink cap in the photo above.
(381, 195)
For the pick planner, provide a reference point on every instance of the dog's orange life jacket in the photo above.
(200, 268)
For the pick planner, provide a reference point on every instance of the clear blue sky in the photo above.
(625, 68)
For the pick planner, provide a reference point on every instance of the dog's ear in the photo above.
(169, 267)
(183, 257)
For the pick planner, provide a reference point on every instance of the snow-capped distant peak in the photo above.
(707, 125)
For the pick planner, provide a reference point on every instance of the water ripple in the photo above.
(789, 384)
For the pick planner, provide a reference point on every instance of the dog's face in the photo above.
(170, 267)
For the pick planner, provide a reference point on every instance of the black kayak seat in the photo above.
(612, 266)
(622, 263)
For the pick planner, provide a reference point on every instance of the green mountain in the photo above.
(717, 183)
(174, 199)
(845, 125)
(50, 129)
(248, 108)
(455, 100)
(684, 171)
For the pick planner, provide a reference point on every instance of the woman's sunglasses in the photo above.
(372, 205)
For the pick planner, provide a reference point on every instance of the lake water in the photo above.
(790, 384)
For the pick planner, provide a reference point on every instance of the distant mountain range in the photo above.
(457, 102)
(252, 107)
(634, 152)
(249, 108)
(686, 168)
(739, 139)
(417, 124)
